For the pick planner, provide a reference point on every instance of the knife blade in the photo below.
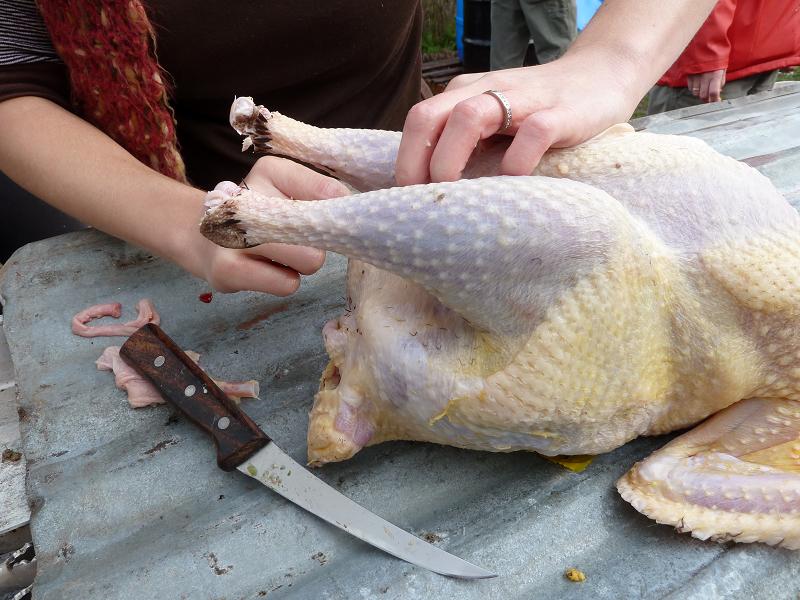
(242, 445)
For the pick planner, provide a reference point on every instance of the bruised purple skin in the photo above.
(352, 422)
(714, 473)
(348, 422)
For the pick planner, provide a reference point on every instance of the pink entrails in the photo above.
(147, 314)
(142, 393)
(237, 390)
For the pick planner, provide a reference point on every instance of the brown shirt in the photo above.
(338, 63)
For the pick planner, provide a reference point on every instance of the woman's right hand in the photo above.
(271, 268)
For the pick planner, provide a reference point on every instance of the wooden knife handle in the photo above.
(187, 387)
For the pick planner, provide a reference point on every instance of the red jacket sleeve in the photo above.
(710, 48)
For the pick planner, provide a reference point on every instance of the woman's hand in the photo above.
(551, 105)
(270, 268)
(625, 48)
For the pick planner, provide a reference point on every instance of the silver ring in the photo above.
(501, 98)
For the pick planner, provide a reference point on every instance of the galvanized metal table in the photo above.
(129, 503)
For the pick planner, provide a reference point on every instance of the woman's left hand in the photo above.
(558, 104)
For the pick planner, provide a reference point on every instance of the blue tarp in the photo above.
(586, 10)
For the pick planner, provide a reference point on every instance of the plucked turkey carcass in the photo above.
(634, 285)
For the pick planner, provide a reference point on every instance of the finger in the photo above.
(235, 271)
(465, 79)
(424, 124)
(470, 121)
(714, 90)
(298, 258)
(535, 135)
(691, 84)
(292, 180)
(421, 130)
(704, 84)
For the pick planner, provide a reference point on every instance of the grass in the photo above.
(793, 75)
(442, 42)
(438, 27)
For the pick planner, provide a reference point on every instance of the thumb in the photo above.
(294, 180)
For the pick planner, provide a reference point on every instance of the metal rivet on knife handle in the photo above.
(159, 361)
(223, 423)
(189, 391)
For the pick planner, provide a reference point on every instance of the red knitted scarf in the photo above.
(117, 84)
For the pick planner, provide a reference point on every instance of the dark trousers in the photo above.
(664, 98)
(551, 24)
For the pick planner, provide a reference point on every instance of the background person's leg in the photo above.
(765, 81)
(510, 35)
(552, 25)
(663, 98)
(760, 82)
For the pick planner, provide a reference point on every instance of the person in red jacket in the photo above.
(738, 51)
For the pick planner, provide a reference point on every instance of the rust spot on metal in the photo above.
(140, 258)
(431, 537)
(161, 445)
(10, 455)
(214, 564)
(65, 552)
(262, 316)
(764, 159)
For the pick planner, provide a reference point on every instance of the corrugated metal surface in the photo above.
(129, 504)
(14, 511)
